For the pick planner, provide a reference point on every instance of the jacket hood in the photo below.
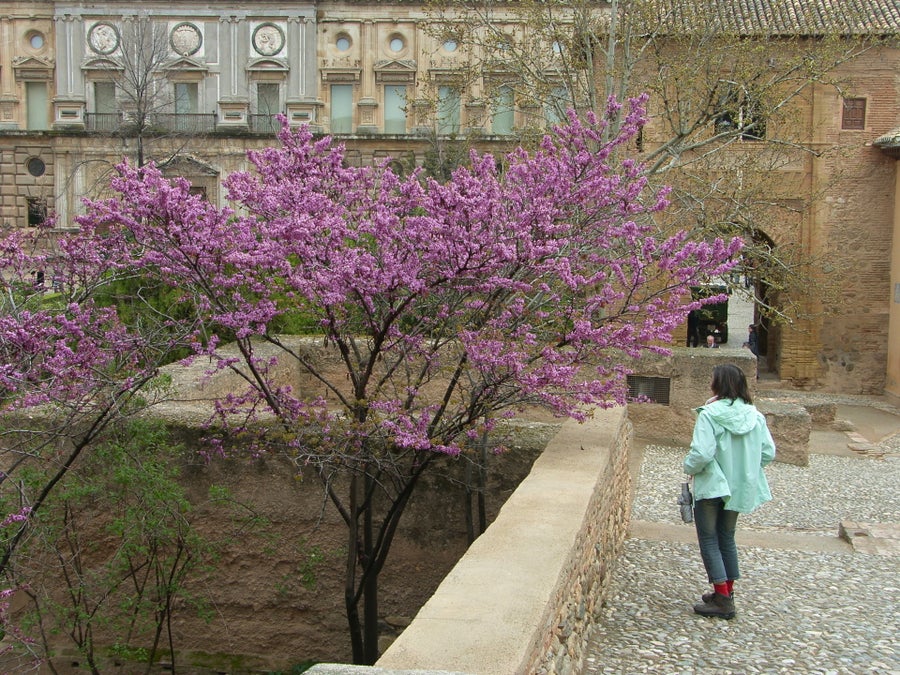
(735, 415)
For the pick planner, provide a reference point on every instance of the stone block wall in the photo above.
(597, 548)
(690, 371)
(519, 600)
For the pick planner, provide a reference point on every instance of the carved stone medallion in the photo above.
(268, 39)
(103, 38)
(186, 39)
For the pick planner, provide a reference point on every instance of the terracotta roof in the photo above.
(789, 17)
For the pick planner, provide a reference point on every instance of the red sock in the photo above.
(722, 589)
(730, 583)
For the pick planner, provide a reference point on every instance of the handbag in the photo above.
(686, 503)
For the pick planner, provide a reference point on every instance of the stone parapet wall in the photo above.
(597, 548)
(519, 600)
(690, 371)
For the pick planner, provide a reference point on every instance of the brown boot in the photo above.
(706, 597)
(719, 605)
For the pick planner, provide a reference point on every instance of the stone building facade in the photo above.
(378, 76)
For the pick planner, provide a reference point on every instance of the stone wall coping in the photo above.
(492, 612)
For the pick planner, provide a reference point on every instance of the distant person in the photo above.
(693, 329)
(711, 342)
(752, 342)
(730, 447)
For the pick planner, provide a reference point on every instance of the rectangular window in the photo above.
(394, 109)
(37, 211)
(854, 116)
(503, 114)
(267, 95)
(105, 98)
(449, 100)
(648, 389)
(341, 108)
(37, 106)
(198, 190)
(268, 104)
(557, 106)
(186, 98)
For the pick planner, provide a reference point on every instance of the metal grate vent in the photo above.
(649, 389)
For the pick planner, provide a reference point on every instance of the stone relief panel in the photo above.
(103, 38)
(268, 39)
(186, 39)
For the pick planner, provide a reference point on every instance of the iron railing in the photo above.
(263, 124)
(179, 123)
(103, 121)
(184, 123)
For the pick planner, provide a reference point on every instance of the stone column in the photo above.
(233, 100)
(367, 104)
(70, 101)
(8, 101)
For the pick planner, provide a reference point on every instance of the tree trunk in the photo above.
(350, 602)
(370, 589)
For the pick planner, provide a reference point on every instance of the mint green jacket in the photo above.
(730, 447)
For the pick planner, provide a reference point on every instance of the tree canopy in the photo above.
(449, 306)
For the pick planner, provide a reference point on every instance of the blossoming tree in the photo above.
(449, 306)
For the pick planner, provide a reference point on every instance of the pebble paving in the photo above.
(797, 611)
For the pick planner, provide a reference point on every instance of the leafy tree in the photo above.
(118, 533)
(448, 306)
(70, 369)
(729, 90)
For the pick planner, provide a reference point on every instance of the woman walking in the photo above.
(730, 447)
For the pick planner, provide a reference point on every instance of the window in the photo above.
(854, 116)
(397, 44)
(268, 104)
(648, 389)
(267, 96)
(394, 109)
(448, 110)
(503, 111)
(343, 43)
(740, 112)
(556, 106)
(37, 211)
(341, 108)
(186, 96)
(105, 115)
(37, 106)
(105, 98)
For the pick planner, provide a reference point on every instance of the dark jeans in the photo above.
(715, 533)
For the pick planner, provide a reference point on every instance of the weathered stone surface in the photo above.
(511, 604)
(790, 425)
(690, 372)
(821, 412)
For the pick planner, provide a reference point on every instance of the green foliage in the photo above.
(295, 322)
(118, 532)
(444, 156)
(149, 303)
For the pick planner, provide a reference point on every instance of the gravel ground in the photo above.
(808, 499)
(798, 611)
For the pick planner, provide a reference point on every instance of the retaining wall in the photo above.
(520, 598)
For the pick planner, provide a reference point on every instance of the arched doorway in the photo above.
(754, 276)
